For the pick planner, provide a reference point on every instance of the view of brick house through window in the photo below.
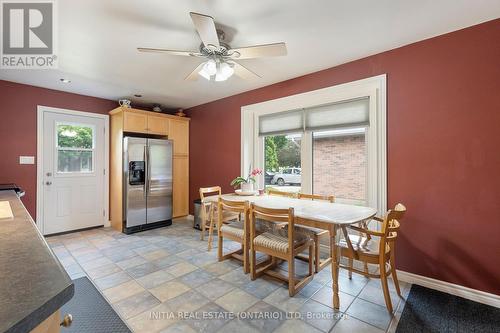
(339, 164)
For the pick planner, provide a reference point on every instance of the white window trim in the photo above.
(374, 87)
(40, 223)
(56, 160)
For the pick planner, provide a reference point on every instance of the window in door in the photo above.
(282, 160)
(339, 164)
(74, 148)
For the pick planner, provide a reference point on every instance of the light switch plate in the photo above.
(26, 159)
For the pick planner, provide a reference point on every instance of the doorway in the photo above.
(72, 180)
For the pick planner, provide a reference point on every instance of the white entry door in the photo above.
(73, 172)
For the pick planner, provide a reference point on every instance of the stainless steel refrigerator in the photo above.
(147, 167)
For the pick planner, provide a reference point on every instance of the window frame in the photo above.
(58, 173)
(252, 145)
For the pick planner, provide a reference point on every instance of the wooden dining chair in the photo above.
(316, 233)
(272, 191)
(237, 231)
(277, 246)
(209, 213)
(375, 247)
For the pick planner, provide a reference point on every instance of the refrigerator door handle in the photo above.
(146, 170)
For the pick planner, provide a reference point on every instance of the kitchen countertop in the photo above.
(33, 283)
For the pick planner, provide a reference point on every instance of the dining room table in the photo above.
(313, 213)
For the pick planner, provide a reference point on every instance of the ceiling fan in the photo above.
(221, 58)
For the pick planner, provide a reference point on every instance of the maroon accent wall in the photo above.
(18, 117)
(443, 148)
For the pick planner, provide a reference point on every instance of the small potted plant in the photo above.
(246, 184)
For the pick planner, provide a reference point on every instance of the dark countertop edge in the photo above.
(35, 318)
(43, 312)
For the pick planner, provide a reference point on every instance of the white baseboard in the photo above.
(451, 288)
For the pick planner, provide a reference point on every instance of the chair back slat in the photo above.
(239, 207)
(272, 191)
(329, 198)
(232, 206)
(204, 191)
(391, 226)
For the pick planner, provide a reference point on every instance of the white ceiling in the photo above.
(98, 40)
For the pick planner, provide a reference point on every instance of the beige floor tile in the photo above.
(188, 302)
(370, 313)
(325, 296)
(319, 315)
(220, 268)
(142, 270)
(282, 300)
(156, 254)
(376, 295)
(95, 263)
(296, 326)
(181, 269)
(131, 262)
(351, 324)
(237, 326)
(180, 327)
(169, 290)
(236, 301)
(123, 291)
(112, 280)
(215, 288)
(155, 279)
(102, 271)
(135, 304)
(152, 320)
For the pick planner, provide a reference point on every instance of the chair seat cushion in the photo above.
(278, 242)
(362, 245)
(310, 230)
(234, 228)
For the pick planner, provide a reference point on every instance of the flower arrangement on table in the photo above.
(246, 184)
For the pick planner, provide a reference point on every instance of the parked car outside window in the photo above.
(288, 176)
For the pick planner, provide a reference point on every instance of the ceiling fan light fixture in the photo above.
(210, 67)
(204, 74)
(216, 70)
(224, 72)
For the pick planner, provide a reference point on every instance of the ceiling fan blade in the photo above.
(205, 26)
(194, 74)
(244, 72)
(257, 51)
(172, 52)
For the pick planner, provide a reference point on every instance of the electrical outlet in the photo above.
(26, 159)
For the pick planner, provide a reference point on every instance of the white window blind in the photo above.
(281, 123)
(336, 115)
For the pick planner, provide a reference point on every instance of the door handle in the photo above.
(48, 183)
(146, 174)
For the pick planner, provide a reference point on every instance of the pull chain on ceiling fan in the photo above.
(221, 61)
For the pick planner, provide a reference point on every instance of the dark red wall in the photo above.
(443, 148)
(18, 116)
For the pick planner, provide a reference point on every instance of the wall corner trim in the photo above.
(451, 288)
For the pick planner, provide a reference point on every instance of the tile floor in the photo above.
(164, 280)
